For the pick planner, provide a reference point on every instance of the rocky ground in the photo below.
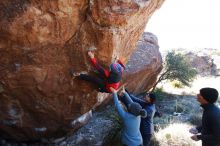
(93, 134)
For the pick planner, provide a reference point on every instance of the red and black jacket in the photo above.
(112, 78)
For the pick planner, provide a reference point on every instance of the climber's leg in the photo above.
(98, 82)
(95, 80)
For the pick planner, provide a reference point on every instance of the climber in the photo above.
(131, 135)
(106, 78)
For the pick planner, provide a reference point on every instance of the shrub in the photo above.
(114, 137)
(176, 67)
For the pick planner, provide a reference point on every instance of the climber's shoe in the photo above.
(92, 48)
(73, 73)
(83, 72)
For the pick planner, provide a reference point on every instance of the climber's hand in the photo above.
(115, 60)
(123, 89)
(91, 54)
(113, 90)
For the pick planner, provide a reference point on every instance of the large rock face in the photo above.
(142, 68)
(41, 40)
(144, 64)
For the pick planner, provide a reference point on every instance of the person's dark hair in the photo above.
(209, 94)
(152, 97)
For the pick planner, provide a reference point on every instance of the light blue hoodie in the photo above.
(131, 135)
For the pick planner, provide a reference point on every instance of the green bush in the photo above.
(176, 67)
(114, 137)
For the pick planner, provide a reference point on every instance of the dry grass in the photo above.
(176, 135)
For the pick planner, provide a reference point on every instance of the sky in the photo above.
(190, 24)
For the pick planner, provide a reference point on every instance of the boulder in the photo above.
(40, 41)
(144, 65)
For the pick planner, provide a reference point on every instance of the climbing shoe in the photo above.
(73, 73)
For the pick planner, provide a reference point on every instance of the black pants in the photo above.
(146, 139)
(98, 82)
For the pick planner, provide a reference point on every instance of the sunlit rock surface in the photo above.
(41, 40)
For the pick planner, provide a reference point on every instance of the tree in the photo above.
(176, 67)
